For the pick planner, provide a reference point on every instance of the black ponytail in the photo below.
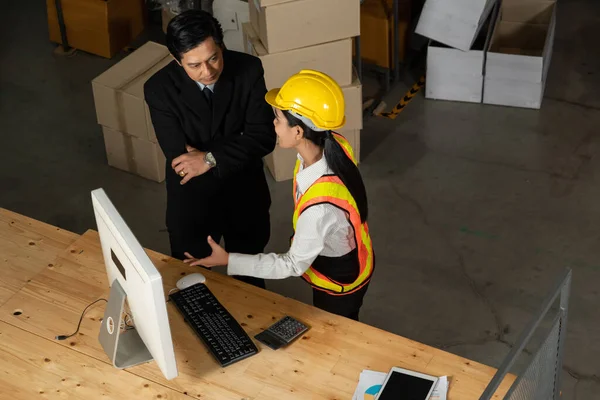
(338, 162)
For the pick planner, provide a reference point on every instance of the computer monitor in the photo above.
(132, 277)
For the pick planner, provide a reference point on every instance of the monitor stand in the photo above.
(125, 349)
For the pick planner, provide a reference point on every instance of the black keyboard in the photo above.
(219, 331)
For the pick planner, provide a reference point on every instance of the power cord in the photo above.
(63, 337)
(126, 324)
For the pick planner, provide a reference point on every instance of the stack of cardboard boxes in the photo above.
(291, 35)
(317, 36)
(122, 111)
(487, 51)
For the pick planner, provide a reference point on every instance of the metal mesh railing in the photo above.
(541, 378)
(537, 381)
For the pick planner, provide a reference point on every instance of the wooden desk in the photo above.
(27, 247)
(325, 364)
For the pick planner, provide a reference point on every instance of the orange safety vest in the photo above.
(330, 189)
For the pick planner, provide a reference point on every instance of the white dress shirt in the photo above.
(202, 86)
(322, 229)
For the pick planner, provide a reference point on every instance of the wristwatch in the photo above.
(210, 160)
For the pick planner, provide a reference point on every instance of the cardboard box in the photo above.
(377, 31)
(455, 74)
(119, 91)
(98, 27)
(455, 23)
(281, 162)
(520, 53)
(354, 103)
(128, 153)
(286, 25)
(334, 59)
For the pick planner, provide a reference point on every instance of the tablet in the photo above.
(402, 384)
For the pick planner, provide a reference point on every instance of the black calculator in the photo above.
(282, 332)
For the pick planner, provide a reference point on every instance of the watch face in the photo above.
(210, 159)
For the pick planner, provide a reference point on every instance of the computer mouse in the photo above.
(190, 280)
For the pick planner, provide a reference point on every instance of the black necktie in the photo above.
(209, 96)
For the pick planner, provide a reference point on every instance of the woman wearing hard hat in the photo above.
(331, 247)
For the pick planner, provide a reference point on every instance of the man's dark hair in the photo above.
(190, 28)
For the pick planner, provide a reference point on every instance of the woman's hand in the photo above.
(218, 257)
(190, 165)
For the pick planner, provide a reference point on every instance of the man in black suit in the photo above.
(214, 127)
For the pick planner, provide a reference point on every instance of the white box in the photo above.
(232, 14)
(455, 74)
(455, 23)
(520, 53)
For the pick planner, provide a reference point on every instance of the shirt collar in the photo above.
(202, 86)
(309, 175)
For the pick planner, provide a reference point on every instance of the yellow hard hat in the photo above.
(311, 95)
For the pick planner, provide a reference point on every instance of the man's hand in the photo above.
(218, 257)
(190, 165)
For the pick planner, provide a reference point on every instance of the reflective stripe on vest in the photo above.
(330, 189)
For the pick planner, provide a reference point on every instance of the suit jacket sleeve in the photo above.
(258, 137)
(169, 133)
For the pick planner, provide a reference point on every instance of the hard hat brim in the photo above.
(271, 98)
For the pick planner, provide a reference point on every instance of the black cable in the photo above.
(63, 337)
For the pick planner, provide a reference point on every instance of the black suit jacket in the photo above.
(240, 135)
(242, 122)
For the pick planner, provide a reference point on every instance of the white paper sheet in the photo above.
(441, 389)
(369, 384)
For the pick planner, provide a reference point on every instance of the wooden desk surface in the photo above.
(34, 367)
(325, 364)
(27, 246)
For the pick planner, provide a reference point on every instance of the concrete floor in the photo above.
(475, 209)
